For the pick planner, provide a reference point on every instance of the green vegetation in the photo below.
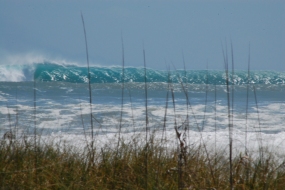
(48, 166)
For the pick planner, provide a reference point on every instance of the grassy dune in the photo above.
(48, 166)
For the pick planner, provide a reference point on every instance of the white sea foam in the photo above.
(64, 107)
(269, 119)
(62, 124)
(13, 75)
(213, 141)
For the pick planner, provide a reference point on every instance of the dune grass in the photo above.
(65, 168)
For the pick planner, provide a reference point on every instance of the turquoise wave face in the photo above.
(75, 74)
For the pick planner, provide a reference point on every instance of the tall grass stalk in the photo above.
(90, 92)
(131, 102)
(178, 136)
(17, 115)
(232, 98)
(166, 107)
(247, 98)
(9, 120)
(259, 137)
(187, 124)
(206, 100)
(35, 131)
(226, 65)
(215, 148)
(83, 127)
(146, 122)
(247, 172)
(122, 92)
(233, 85)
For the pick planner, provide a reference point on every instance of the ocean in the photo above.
(54, 99)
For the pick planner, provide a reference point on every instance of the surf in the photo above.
(49, 72)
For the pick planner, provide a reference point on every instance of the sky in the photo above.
(52, 30)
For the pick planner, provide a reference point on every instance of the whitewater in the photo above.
(54, 98)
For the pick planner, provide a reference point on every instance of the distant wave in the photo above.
(75, 74)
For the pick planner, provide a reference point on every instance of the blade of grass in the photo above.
(259, 137)
(233, 85)
(187, 125)
(215, 125)
(90, 92)
(206, 100)
(146, 121)
(122, 93)
(35, 130)
(166, 107)
(226, 65)
(246, 117)
(131, 102)
(247, 98)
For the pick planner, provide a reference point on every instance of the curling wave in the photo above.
(48, 71)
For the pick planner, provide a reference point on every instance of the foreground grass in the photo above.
(25, 166)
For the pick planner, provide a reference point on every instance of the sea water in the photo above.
(55, 99)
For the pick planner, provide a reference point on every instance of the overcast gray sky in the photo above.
(53, 30)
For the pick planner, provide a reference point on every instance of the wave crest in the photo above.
(47, 71)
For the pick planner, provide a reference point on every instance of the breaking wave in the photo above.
(48, 71)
